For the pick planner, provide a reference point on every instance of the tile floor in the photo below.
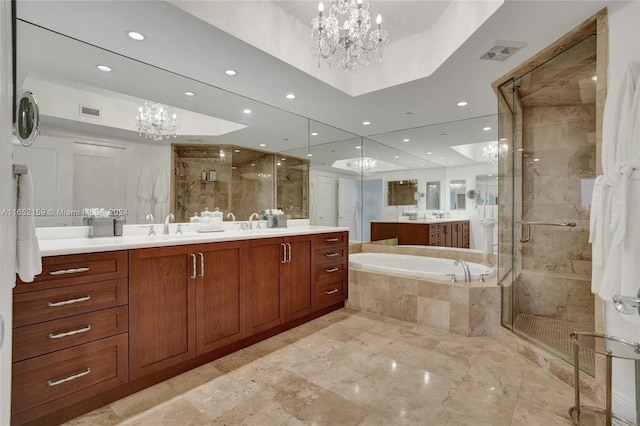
(353, 368)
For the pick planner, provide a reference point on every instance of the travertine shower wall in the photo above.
(558, 170)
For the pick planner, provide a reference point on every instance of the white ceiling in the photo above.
(187, 46)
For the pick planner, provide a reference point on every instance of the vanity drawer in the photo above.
(49, 382)
(72, 269)
(331, 239)
(330, 254)
(330, 270)
(45, 305)
(330, 292)
(51, 336)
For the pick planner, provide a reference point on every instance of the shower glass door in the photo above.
(547, 167)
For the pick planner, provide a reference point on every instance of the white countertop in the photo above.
(62, 246)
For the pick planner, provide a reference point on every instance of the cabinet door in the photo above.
(264, 288)
(161, 308)
(298, 289)
(445, 235)
(455, 234)
(220, 305)
(413, 234)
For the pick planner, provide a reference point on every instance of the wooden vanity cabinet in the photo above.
(220, 295)
(185, 301)
(70, 337)
(443, 234)
(279, 282)
(331, 266)
(162, 308)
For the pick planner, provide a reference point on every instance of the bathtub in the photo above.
(416, 289)
(432, 268)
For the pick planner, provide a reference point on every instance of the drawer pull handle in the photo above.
(332, 254)
(69, 333)
(334, 291)
(332, 270)
(68, 379)
(69, 271)
(332, 240)
(69, 302)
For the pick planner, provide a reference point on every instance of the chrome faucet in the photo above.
(251, 219)
(233, 217)
(467, 272)
(170, 217)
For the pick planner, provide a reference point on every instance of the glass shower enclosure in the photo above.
(547, 167)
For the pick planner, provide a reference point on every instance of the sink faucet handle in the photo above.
(179, 229)
(453, 277)
(482, 276)
(152, 231)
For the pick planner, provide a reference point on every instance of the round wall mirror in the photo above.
(27, 118)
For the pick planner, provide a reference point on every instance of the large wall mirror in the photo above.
(89, 151)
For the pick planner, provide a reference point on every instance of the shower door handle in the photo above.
(528, 227)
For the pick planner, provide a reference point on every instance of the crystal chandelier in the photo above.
(367, 166)
(350, 43)
(154, 122)
(491, 152)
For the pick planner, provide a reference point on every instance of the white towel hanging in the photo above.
(28, 259)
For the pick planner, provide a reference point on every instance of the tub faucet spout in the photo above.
(467, 272)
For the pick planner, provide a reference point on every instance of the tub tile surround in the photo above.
(468, 309)
(355, 368)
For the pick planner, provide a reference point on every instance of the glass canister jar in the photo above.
(206, 223)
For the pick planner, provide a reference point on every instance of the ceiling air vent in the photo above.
(87, 111)
(502, 50)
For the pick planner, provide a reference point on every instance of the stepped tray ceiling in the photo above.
(423, 35)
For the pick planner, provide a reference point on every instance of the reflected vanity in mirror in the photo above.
(457, 194)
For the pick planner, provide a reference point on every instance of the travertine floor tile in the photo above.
(354, 368)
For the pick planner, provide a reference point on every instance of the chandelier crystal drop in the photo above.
(491, 152)
(366, 166)
(153, 121)
(347, 44)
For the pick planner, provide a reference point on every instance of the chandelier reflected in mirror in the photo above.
(153, 121)
(491, 152)
(366, 166)
(349, 43)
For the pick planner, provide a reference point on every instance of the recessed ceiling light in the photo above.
(234, 167)
(396, 156)
(366, 123)
(450, 162)
(463, 103)
(594, 78)
(290, 96)
(486, 129)
(189, 94)
(429, 153)
(135, 35)
(441, 158)
(231, 73)
(421, 165)
(246, 111)
(103, 68)
(536, 159)
(263, 144)
(489, 175)
(253, 164)
(358, 147)
(503, 139)
(406, 140)
(443, 134)
(314, 133)
(410, 161)
(309, 155)
(278, 164)
(236, 150)
(283, 159)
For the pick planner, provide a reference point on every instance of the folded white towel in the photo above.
(28, 260)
